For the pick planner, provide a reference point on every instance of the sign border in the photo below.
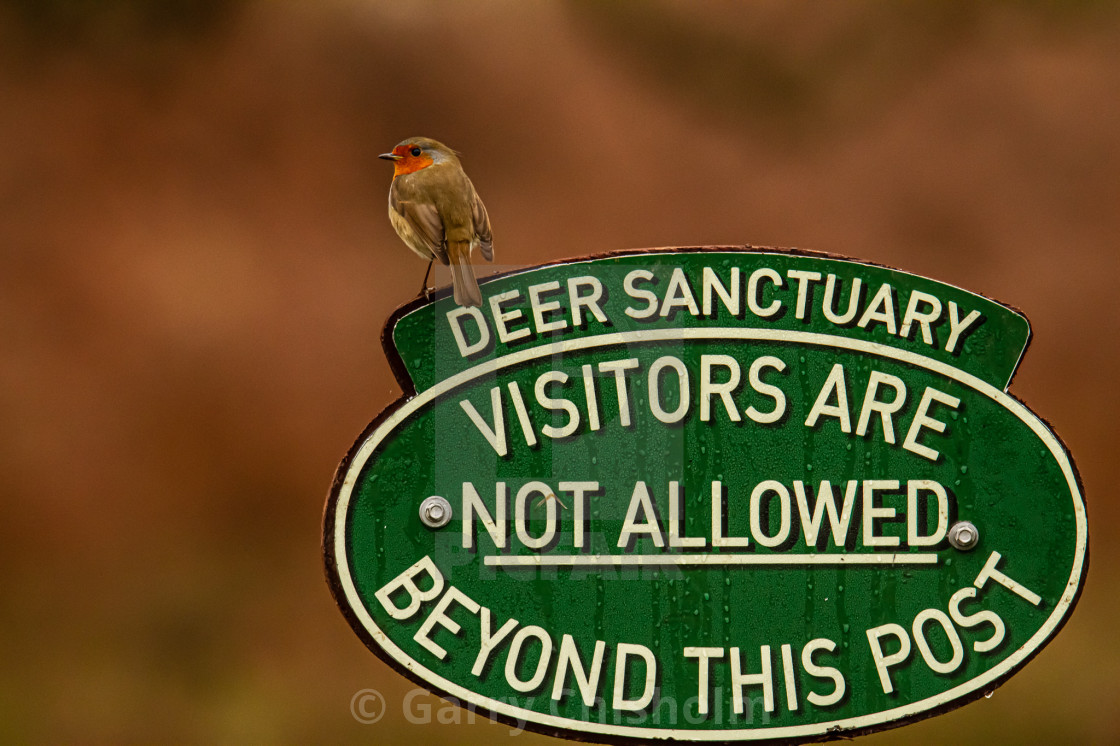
(352, 607)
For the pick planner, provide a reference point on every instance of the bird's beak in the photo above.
(389, 157)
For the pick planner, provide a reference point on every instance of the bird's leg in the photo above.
(424, 286)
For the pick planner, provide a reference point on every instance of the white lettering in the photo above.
(640, 501)
(822, 672)
(406, 581)
(880, 309)
(729, 298)
(654, 382)
(587, 681)
(679, 295)
(703, 655)
(723, 390)
(619, 368)
(622, 652)
(839, 410)
(540, 310)
(886, 410)
(958, 326)
(631, 288)
(439, 616)
(590, 301)
(925, 319)
(757, 494)
(804, 279)
(870, 512)
(496, 435)
(923, 420)
(556, 405)
(913, 489)
(502, 318)
(513, 658)
(754, 376)
(495, 526)
(456, 317)
(753, 290)
(740, 680)
(883, 663)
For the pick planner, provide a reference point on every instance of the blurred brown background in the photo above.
(195, 266)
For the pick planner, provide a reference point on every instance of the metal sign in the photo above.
(707, 495)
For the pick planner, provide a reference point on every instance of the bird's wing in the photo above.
(482, 228)
(426, 225)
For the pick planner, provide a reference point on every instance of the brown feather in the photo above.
(463, 282)
(422, 227)
(482, 227)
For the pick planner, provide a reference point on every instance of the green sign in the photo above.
(707, 495)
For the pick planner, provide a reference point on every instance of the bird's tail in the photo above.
(467, 292)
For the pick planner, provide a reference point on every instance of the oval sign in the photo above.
(707, 495)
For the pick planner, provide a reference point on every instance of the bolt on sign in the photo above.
(707, 495)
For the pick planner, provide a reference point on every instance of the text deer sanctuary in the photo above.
(550, 308)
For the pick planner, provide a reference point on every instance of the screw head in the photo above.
(435, 512)
(964, 535)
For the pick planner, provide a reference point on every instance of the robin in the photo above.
(437, 213)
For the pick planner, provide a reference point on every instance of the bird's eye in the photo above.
(415, 152)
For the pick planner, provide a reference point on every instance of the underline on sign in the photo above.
(536, 560)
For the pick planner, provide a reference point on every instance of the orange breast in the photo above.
(410, 164)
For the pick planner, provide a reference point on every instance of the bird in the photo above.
(436, 211)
